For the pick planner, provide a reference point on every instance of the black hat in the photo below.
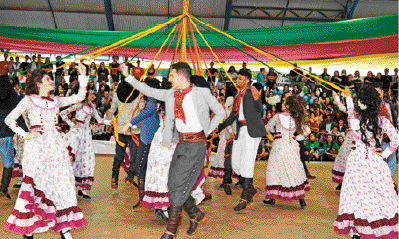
(124, 90)
(200, 81)
(245, 73)
(151, 82)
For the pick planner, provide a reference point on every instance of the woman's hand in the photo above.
(32, 135)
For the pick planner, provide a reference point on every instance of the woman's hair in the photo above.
(32, 80)
(297, 108)
(232, 69)
(369, 117)
(95, 67)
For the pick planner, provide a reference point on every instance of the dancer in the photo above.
(149, 122)
(221, 167)
(156, 183)
(80, 143)
(131, 109)
(47, 197)
(246, 112)
(8, 101)
(285, 175)
(187, 117)
(338, 170)
(368, 205)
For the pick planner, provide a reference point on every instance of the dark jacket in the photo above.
(4, 130)
(252, 114)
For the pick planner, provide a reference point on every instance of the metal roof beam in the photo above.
(108, 14)
(227, 15)
(52, 13)
(351, 8)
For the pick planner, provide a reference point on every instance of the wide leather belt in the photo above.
(80, 122)
(192, 137)
(242, 123)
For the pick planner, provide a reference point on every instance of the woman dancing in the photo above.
(368, 205)
(148, 122)
(80, 143)
(338, 170)
(285, 175)
(47, 199)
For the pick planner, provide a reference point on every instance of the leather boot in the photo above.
(355, 237)
(115, 173)
(339, 187)
(141, 192)
(173, 222)
(5, 182)
(28, 237)
(302, 203)
(196, 216)
(269, 201)
(247, 194)
(227, 181)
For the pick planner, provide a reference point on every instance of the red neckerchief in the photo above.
(236, 107)
(47, 98)
(384, 111)
(179, 96)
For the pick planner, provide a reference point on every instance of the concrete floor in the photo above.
(110, 213)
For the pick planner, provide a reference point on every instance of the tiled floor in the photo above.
(110, 213)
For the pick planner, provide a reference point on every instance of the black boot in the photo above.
(227, 181)
(248, 192)
(115, 173)
(173, 222)
(196, 216)
(269, 201)
(355, 237)
(141, 192)
(240, 181)
(28, 237)
(64, 233)
(339, 187)
(5, 183)
(302, 203)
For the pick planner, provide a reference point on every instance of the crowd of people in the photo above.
(304, 120)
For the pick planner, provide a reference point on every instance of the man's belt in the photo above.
(242, 123)
(192, 137)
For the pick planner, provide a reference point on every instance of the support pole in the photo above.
(183, 53)
(108, 14)
(227, 16)
(52, 13)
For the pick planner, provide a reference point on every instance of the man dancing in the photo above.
(187, 117)
(246, 112)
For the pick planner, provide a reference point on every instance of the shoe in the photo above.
(302, 203)
(164, 214)
(141, 192)
(27, 237)
(355, 237)
(131, 182)
(208, 197)
(173, 222)
(269, 201)
(248, 192)
(311, 177)
(5, 196)
(221, 185)
(114, 183)
(65, 235)
(339, 187)
(196, 216)
(227, 189)
(84, 196)
(18, 184)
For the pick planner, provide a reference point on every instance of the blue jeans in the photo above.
(391, 159)
(7, 152)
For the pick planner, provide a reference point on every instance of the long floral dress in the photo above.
(216, 170)
(156, 182)
(285, 175)
(80, 143)
(338, 170)
(47, 198)
(368, 202)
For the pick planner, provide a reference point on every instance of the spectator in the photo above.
(138, 71)
(114, 67)
(60, 68)
(244, 67)
(93, 75)
(261, 77)
(271, 78)
(102, 73)
(72, 72)
(330, 149)
(276, 91)
(312, 148)
(369, 79)
(296, 74)
(386, 80)
(327, 125)
(104, 103)
(48, 67)
(341, 126)
(212, 73)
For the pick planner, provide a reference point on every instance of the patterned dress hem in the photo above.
(287, 193)
(337, 177)
(84, 183)
(42, 213)
(17, 171)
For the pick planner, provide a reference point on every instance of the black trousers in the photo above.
(185, 168)
(228, 169)
(120, 154)
(142, 159)
(302, 151)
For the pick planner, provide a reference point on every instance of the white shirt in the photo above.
(193, 124)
